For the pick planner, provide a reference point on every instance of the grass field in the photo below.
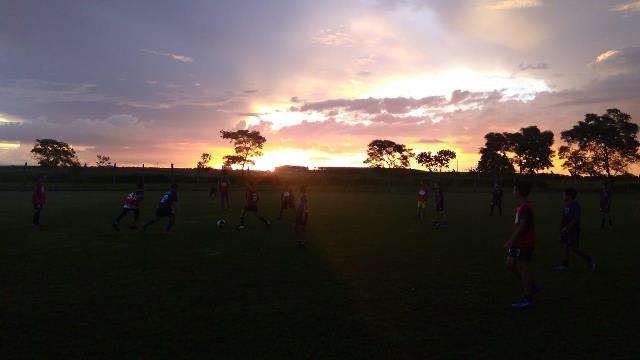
(372, 282)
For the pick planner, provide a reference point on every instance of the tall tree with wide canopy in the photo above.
(607, 144)
(246, 145)
(531, 149)
(53, 153)
(386, 153)
(493, 156)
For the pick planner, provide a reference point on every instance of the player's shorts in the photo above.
(440, 206)
(520, 254)
(605, 210)
(251, 208)
(38, 207)
(570, 239)
(164, 212)
(422, 204)
(288, 204)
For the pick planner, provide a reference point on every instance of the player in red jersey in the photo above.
(38, 200)
(251, 205)
(521, 245)
(131, 204)
(286, 200)
(302, 216)
(423, 193)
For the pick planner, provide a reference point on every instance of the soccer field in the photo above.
(372, 283)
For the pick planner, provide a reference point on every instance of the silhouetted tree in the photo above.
(427, 159)
(54, 153)
(531, 149)
(204, 161)
(443, 158)
(607, 144)
(230, 160)
(103, 161)
(493, 156)
(386, 153)
(247, 145)
(576, 161)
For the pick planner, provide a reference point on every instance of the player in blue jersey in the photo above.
(165, 208)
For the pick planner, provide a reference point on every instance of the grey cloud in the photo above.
(538, 66)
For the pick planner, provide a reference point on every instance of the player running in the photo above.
(286, 200)
(605, 206)
(496, 198)
(302, 215)
(441, 217)
(570, 232)
(223, 188)
(131, 204)
(423, 193)
(521, 245)
(165, 208)
(38, 200)
(251, 205)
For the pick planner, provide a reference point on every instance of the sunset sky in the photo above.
(155, 81)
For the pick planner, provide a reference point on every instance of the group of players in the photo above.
(519, 247)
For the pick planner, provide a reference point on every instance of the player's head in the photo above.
(250, 185)
(303, 189)
(174, 187)
(605, 186)
(41, 178)
(140, 185)
(522, 189)
(570, 194)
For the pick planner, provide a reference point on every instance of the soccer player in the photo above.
(131, 204)
(521, 245)
(441, 217)
(422, 201)
(38, 200)
(302, 215)
(496, 198)
(570, 231)
(165, 208)
(251, 205)
(223, 188)
(286, 200)
(605, 206)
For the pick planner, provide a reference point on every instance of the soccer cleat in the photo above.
(535, 289)
(241, 227)
(522, 304)
(592, 264)
(560, 268)
(115, 226)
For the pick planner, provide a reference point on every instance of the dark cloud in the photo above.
(538, 66)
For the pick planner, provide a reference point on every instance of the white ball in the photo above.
(220, 223)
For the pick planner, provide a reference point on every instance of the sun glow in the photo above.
(446, 82)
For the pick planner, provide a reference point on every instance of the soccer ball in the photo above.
(221, 223)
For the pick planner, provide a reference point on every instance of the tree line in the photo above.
(599, 145)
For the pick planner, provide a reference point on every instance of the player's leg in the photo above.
(575, 249)
(500, 208)
(242, 214)
(172, 220)
(491, 205)
(116, 222)
(152, 221)
(136, 216)
(526, 279)
(282, 207)
(36, 215)
(261, 218)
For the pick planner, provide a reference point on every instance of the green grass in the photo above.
(371, 283)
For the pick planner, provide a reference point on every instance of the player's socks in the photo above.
(169, 226)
